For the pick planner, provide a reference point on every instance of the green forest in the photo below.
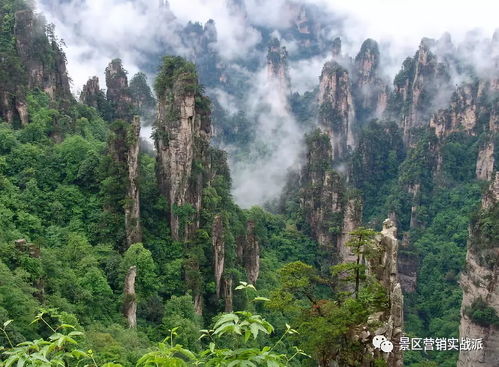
(114, 253)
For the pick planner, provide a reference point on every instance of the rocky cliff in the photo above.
(118, 92)
(193, 177)
(123, 146)
(420, 88)
(336, 111)
(480, 284)
(369, 90)
(34, 60)
(473, 111)
(130, 297)
(182, 138)
(328, 209)
(277, 67)
(351, 94)
(93, 96)
(381, 265)
(384, 268)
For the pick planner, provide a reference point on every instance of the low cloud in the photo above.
(277, 146)
(141, 31)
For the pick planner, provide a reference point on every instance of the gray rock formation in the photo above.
(480, 284)
(182, 138)
(218, 251)
(384, 269)
(132, 202)
(420, 88)
(39, 62)
(369, 90)
(130, 298)
(336, 111)
(277, 67)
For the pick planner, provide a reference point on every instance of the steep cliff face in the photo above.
(473, 110)
(461, 115)
(118, 93)
(381, 265)
(370, 92)
(130, 301)
(189, 172)
(480, 284)
(486, 160)
(93, 96)
(181, 139)
(352, 219)
(91, 92)
(322, 195)
(329, 211)
(336, 111)
(33, 60)
(123, 145)
(384, 268)
(251, 254)
(277, 67)
(132, 201)
(248, 252)
(418, 89)
(218, 251)
(45, 71)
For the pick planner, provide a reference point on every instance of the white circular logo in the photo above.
(387, 346)
(377, 340)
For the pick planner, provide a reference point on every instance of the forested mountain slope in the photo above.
(131, 244)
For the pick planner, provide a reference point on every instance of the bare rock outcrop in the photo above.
(251, 254)
(277, 67)
(336, 111)
(382, 266)
(385, 269)
(182, 139)
(50, 75)
(124, 144)
(91, 92)
(218, 251)
(420, 88)
(37, 62)
(330, 211)
(370, 92)
(480, 284)
(118, 92)
(351, 219)
(322, 196)
(130, 298)
(486, 161)
(132, 204)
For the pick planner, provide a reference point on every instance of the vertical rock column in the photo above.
(218, 251)
(322, 196)
(252, 254)
(336, 112)
(130, 299)
(369, 91)
(480, 284)
(125, 145)
(182, 133)
(277, 68)
(132, 202)
(384, 269)
(181, 139)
